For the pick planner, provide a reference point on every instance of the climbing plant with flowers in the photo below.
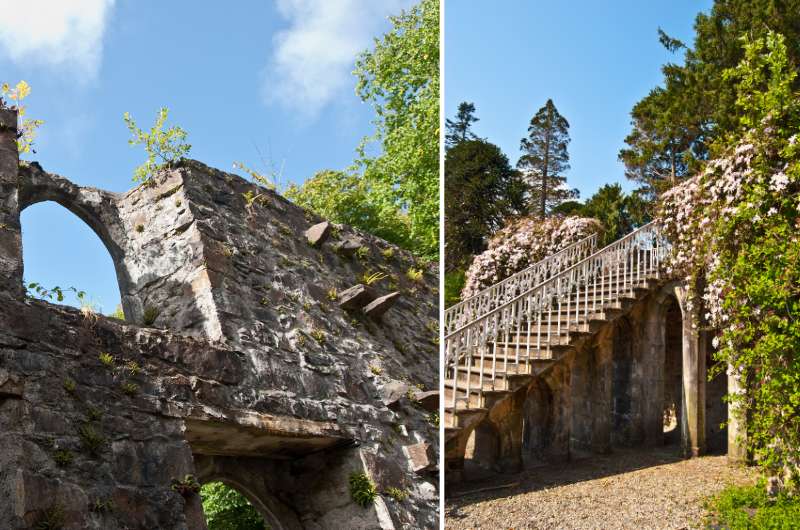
(735, 230)
(521, 243)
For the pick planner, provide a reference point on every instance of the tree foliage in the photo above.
(163, 147)
(400, 78)
(347, 198)
(482, 191)
(26, 128)
(227, 509)
(545, 158)
(617, 212)
(460, 128)
(677, 125)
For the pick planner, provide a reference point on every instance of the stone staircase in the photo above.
(512, 335)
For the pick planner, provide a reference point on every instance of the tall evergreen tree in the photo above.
(458, 130)
(482, 191)
(545, 158)
(678, 124)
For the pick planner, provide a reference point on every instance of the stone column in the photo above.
(693, 430)
(652, 355)
(10, 230)
(737, 433)
(502, 440)
(602, 390)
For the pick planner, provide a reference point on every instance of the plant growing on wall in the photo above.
(362, 489)
(26, 129)
(56, 293)
(734, 234)
(164, 147)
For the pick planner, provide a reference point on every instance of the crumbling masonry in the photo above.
(236, 362)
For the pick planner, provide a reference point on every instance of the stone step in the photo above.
(537, 363)
(462, 417)
(509, 378)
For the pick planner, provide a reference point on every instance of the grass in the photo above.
(51, 519)
(318, 335)
(63, 457)
(749, 507)
(107, 359)
(150, 316)
(91, 441)
(414, 275)
(70, 385)
(397, 494)
(362, 489)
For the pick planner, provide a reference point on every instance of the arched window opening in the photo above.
(60, 250)
(225, 508)
(673, 372)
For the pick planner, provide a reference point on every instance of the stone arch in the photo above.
(537, 420)
(96, 208)
(248, 480)
(483, 446)
(673, 403)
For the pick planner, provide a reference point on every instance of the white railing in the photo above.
(481, 303)
(527, 327)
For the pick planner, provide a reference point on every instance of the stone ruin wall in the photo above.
(250, 371)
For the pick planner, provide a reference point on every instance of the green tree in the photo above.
(482, 191)
(545, 158)
(400, 78)
(164, 147)
(677, 125)
(346, 198)
(609, 205)
(227, 509)
(459, 129)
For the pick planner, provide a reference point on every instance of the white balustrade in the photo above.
(492, 333)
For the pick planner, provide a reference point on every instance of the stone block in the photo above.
(428, 400)
(348, 247)
(393, 393)
(318, 233)
(420, 457)
(10, 385)
(379, 306)
(356, 297)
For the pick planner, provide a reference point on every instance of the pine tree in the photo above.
(458, 130)
(482, 191)
(545, 159)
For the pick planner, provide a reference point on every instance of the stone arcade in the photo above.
(592, 349)
(249, 372)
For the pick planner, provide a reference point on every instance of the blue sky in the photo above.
(259, 75)
(594, 59)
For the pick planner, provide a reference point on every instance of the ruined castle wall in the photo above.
(242, 351)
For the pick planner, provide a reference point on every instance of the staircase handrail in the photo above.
(616, 266)
(475, 306)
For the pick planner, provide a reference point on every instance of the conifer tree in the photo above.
(545, 159)
(458, 130)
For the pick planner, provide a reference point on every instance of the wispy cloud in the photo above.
(60, 33)
(312, 60)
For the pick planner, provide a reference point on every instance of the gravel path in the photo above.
(636, 489)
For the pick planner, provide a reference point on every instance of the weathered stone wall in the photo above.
(244, 355)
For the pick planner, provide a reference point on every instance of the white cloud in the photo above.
(312, 60)
(61, 33)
